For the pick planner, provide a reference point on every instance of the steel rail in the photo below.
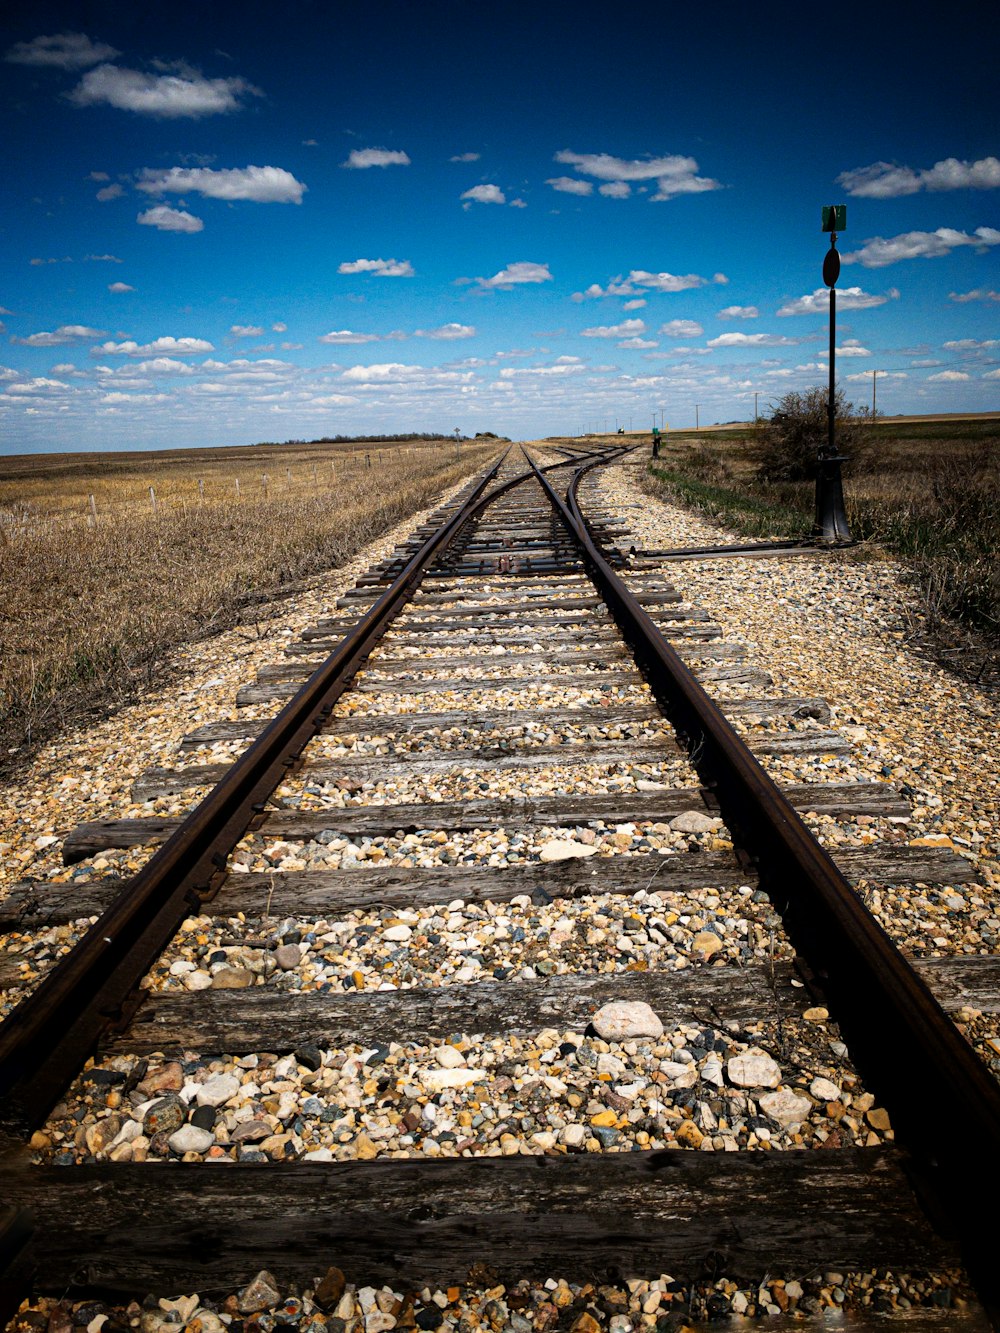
(45, 1040)
(897, 1033)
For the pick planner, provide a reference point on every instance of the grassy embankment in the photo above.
(924, 491)
(89, 610)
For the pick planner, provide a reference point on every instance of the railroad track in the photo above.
(512, 784)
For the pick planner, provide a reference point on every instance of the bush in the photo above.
(789, 444)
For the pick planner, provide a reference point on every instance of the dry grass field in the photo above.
(90, 608)
(925, 491)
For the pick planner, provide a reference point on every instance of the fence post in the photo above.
(263, 484)
(152, 496)
(288, 478)
(201, 491)
(93, 511)
(237, 488)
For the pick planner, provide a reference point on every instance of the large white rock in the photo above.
(786, 1106)
(437, 1080)
(621, 1019)
(218, 1090)
(753, 1069)
(397, 934)
(189, 1138)
(824, 1090)
(693, 821)
(448, 1057)
(564, 849)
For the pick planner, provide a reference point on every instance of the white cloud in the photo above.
(246, 331)
(279, 328)
(992, 374)
(380, 268)
(63, 50)
(260, 185)
(739, 312)
(128, 398)
(334, 400)
(346, 337)
(638, 344)
(977, 294)
(865, 376)
(878, 251)
(109, 192)
(848, 298)
(164, 365)
(972, 344)
(101, 259)
(885, 180)
(627, 328)
(66, 333)
(169, 219)
(638, 281)
(169, 96)
(447, 332)
(570, 185)
(674, 175)
(850, 347)
(464, 157)
(637, 304)
(523, 271)
(682, 328)
(361, 158)
(393, 372)
(36, 386)
(752, 340)
(518, 203)
(615, 190)
(948, 376)
(485, 194)
(169, 345)
(563, 365)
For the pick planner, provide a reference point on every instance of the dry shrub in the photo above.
(788, 444)
(87, 615)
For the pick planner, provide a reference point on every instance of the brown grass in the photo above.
(924, 492)
(88, 611)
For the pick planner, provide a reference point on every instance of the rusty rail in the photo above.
(892, 1023)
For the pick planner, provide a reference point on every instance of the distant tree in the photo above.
(789, 442)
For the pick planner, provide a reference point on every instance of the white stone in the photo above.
(753, 1069)
(622, 1019)
(610, 1064)
(448, 1057)
(189, 1138)
(573, 1136)
(437, 1080)
(786, 1106)
(711, 1071)
(197, 981)
(824, 1091)
(693, 821)
(562, 849)
(397, 934)
(218, 1090)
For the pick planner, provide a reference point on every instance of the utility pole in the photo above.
(696, 406)
(755, 393)
(874, 378)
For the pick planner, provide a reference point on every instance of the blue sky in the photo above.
(234, 223)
